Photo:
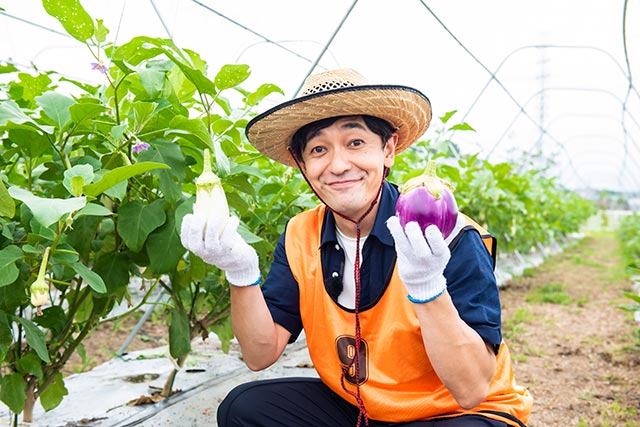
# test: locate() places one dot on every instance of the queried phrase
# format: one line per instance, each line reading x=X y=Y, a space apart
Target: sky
x=561 y=85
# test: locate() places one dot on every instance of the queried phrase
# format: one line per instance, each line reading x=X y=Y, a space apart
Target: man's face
x=344 y=163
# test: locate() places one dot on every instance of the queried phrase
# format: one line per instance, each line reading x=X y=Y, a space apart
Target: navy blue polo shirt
x=469 y=273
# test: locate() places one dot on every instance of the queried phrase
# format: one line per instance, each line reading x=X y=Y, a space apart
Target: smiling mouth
x=343 y=183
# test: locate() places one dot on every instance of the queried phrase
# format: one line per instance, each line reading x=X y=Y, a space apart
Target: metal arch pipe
x=547 y=46
x=544 y=131
x=597 y=157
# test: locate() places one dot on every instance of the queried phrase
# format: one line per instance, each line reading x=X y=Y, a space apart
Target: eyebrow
x=351 y=124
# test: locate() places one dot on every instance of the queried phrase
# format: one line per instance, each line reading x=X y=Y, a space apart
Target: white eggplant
x=211 y=201
x=39 y=289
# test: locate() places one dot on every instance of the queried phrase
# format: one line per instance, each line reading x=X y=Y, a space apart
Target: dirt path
x=573 y=348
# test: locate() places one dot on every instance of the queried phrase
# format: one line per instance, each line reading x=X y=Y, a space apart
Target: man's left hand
x=422 y=259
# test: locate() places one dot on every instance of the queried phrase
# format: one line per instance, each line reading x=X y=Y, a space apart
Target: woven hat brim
x=403 y=107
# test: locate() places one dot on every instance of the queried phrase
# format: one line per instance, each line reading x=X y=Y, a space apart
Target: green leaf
x=632 y=296
x=135 y=51
x=13 y=295
x=8 y=68
x=118 y=191
x=447 y=116
x=170 y=180
x=141 y=113
x=85 y=111
x=120 y=174
x=136 y=221
x=11 y=112
x=30 y=363
x=81 y=236
x=35 y=338
x=193 y=130
x=231 y=75
x=52 y=396
x=93 y=279
x=153 y=80
x=7 y=205
x=6 y=335
x=93 y=209
x=56 y=106
x=462 y=126
x=179 y=342
x=196 y=76
x=8 y=270
x=224 y=331
x=12 y=392
x=47 y=211
x=75 y=20
x=30 y=140
x=29 y=87
x=222 y=161
x=262 y=92
x=113 y=267
x=241 y=183
x=164 y=248
x=75 y=178
x=53 y=318
x=101 y=31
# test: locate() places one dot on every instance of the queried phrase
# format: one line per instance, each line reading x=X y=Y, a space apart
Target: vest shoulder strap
x=489 y=241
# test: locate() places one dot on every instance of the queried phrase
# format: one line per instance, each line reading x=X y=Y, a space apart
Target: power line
x=236 y=23
x=548 y=46
x=326 y=46
x=625 y=145
x=509 y=94
x=26 y=21
x=164 y=25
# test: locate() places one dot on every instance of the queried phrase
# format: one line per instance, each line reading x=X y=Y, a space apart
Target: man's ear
x=390 y=150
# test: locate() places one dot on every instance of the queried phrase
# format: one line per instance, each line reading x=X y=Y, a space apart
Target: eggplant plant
x=94 y=182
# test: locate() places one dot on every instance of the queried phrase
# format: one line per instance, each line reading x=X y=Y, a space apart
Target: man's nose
x=339 y=162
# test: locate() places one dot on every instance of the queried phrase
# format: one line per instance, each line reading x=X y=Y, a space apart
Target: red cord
x=362 y=414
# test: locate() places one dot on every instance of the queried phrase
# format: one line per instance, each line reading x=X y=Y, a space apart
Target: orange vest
x=489 y=241
x=398 y=383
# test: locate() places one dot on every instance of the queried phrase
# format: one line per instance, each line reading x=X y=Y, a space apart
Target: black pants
x=307 y=402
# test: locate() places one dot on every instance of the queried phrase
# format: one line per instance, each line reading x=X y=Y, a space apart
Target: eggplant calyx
x=208 y=180
x=429 y=180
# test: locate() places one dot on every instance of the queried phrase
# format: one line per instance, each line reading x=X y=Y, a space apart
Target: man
x=403 y=327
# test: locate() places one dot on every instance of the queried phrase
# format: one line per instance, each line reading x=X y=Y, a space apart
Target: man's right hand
x=225 y=250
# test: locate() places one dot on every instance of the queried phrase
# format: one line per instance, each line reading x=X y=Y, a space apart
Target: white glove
x=421 y=259
x=226 y=250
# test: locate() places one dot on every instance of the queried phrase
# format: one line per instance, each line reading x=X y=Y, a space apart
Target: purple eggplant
x=428 y=200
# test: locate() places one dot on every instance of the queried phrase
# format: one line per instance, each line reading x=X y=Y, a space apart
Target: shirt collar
x=380 y=231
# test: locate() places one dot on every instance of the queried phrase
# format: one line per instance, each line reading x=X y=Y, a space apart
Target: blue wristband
x=423 y=301
x=257 y=282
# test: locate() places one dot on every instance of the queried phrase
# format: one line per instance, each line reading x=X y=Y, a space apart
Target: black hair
x=379 y=126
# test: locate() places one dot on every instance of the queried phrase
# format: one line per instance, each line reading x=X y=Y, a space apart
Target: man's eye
x=357 y=142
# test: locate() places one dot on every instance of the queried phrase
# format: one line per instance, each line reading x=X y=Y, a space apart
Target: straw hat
x=342 y=92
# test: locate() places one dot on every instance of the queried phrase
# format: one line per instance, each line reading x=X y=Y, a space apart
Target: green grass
x=580 y=259
x=512 y=327
x=553 y=293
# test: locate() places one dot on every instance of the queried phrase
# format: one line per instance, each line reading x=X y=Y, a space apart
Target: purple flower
x=100 y=67
x=140 y=146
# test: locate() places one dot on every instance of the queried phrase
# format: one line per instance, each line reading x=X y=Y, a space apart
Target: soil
x=578 y=353
x=110 y=337
x=572 y=347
